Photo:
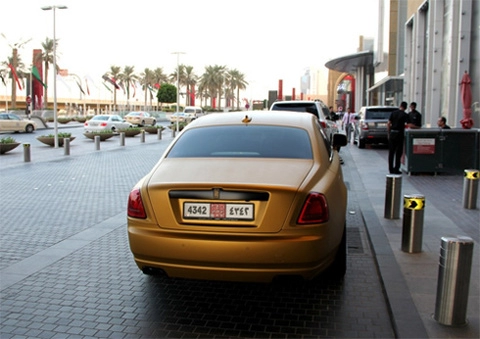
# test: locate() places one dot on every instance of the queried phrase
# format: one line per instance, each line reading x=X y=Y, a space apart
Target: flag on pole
x=59 y=77
x=15 y=76
x=80 y=87
x=106 y=86
x=111 y=81
x=36 y=75
x=86 y=85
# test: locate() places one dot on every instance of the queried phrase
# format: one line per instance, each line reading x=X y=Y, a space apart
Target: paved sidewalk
x=444 y=215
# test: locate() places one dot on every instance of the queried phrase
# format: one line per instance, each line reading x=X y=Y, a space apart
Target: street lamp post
x=178 y=84
x=55 y=120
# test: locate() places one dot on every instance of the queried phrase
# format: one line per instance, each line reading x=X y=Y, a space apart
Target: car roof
x=371 y=107
x=281 y=118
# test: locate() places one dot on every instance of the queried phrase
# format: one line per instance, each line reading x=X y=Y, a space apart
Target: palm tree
x=181 y=75
x=159 y=78
x=212 y=82
x=238 y=82
x=128 y=77
x=190 y=81
x=114 y=74
x=147 y=80
x=47 y=57
x=17 y=64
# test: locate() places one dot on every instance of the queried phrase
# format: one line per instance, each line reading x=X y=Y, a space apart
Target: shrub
x=7 y=140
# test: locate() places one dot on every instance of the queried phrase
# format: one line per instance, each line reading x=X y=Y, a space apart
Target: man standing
x=347 y=121
x=396 y=129
x=414 y=117
x=333 y=114
x=442 y=123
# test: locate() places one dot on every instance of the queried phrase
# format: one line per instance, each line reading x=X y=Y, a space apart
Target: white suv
x=316 y=107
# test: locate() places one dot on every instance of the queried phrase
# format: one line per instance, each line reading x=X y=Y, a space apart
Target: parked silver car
x=371 y=125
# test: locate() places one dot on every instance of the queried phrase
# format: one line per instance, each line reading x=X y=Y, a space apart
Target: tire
x=339 y=266
x=154 y=122
x=361 y=143
x=141 y=124
x=29 y=128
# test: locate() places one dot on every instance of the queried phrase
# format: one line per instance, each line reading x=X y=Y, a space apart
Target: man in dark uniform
x=396 y=130
x=414 y=117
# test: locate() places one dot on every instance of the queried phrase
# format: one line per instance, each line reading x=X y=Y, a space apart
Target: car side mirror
x=339 y=140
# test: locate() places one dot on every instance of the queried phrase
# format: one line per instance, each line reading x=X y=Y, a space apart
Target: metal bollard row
x=413 y=215
x=26 y=153
x=454 y=272
x=122 y=138
x=470 y=188
x=393 y=193
x=97 y=142
x=66 y=146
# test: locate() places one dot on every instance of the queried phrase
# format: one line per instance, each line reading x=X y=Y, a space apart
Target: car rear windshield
x=243 y=141
x=379 y=113
x=296 y=107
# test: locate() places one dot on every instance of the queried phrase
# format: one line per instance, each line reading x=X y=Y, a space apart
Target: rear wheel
x=361 y=143
x=339 y=265
x=29 y=128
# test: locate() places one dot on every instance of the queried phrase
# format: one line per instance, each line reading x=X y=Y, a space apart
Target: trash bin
x=455 y=266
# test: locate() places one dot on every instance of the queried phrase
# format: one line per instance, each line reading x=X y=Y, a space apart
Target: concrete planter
x=4 y=148
x=103 y=136
x=50 y=141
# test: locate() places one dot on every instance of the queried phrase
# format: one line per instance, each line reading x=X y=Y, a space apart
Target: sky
x=266 y=40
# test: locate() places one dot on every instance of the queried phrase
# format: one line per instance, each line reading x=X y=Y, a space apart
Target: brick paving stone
x=97 y=290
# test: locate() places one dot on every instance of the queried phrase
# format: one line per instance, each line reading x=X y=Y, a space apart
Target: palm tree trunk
x=45 y=101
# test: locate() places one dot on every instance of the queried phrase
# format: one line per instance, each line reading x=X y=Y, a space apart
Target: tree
x=17 y=65
x=128 y=78
x=147 y=83
x=113 y=75
x=167 y=94
x=47 y=57
x=190 y=81
x=211 y=82
x=237 y=81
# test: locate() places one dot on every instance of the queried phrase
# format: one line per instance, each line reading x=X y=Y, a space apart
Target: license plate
x=218 y=211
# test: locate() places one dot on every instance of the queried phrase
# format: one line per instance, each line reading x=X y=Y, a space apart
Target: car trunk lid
x=221 y=194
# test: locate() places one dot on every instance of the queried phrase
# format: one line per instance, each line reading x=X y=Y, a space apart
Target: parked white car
x=106 y=122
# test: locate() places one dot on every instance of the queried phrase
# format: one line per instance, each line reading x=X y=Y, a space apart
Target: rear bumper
x=374 y=138
x=258 y=258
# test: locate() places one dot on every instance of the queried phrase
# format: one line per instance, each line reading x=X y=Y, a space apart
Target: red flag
x=15 y=76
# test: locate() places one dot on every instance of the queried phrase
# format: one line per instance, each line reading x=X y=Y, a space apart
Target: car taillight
x=314 y=210
x=85 y=124
x=103 y=124
x=364 y=126
x=135 y=205
x=324 y=124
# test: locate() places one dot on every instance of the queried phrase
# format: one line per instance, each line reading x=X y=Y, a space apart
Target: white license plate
x=218 y=211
